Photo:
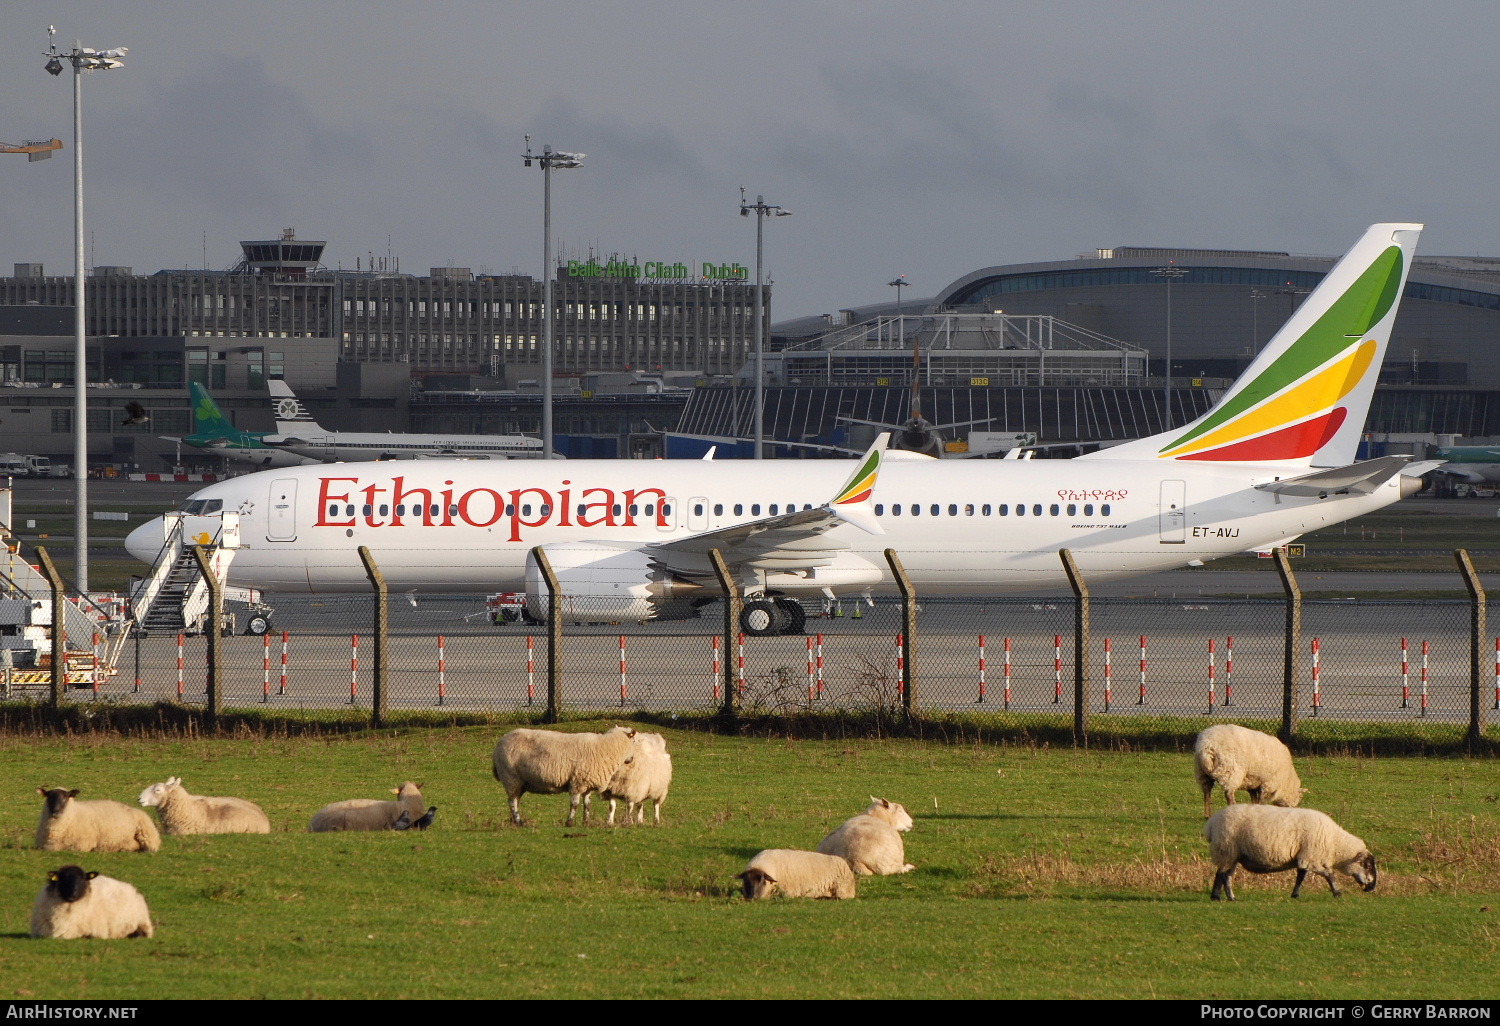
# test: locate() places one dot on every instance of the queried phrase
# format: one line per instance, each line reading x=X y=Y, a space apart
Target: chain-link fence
x=1171 y=664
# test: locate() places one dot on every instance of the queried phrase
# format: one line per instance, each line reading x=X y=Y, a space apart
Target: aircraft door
x=670 y=517
x=281 y=513
x=697 y=514
x=1172 y=524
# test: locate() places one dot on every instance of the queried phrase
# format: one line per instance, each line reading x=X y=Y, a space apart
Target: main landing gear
x=762 y=617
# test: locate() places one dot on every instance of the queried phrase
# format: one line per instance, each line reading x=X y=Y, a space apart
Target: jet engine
x=603 y=582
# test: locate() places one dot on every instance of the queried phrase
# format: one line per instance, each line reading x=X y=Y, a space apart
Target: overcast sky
x=922 y=139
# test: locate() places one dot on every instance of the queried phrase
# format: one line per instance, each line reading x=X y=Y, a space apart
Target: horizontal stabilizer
x=1355 y=479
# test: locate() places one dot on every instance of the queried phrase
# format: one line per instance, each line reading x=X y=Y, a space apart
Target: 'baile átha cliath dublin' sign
x=656 y=270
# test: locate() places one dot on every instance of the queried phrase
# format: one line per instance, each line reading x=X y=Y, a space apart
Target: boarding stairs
x=174 y=597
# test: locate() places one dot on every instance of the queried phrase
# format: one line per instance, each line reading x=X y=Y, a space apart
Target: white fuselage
x=453 y=526
x=355 y=447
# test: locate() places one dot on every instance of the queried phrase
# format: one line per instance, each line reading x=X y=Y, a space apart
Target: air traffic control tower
x=286 y=257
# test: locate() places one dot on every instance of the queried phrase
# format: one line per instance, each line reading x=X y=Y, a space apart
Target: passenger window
x=615 y=509
x=697 y=509
x=453 y=511
x=650 y=509
x=510 y=509
x=333 y=510
x=880 y=509
x=1036 y=509
x=969 y=510
x=953 y=510
x=1054 y=510
x=718 y=509
x=985 y=510
x=368 y=510
x=896 y=509
x=634 y=509
x=666 y=510
x=936 y=510
x=1072 y=510
x=755 y=510
x=1088 y=509
x=1020 y=509
x=526 y=510
x=546 y=511
x=1104 y=510
x=348 y=511
x=773 y=509
x=581 y=508
x=384 y=509
x=739 y=509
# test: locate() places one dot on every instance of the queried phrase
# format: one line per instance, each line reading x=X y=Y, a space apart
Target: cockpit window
x=202 y=507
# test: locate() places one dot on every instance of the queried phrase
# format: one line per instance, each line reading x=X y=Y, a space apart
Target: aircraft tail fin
x=291 y=416
x=1302 y=402
x=208 y=419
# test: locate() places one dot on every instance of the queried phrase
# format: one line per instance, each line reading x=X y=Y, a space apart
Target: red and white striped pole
x=1228 y=670
x=179 y=667
x=442 y=670
x=622 y=671
x=821 y=665
x=1497 y=673
x=265 y=668
x=353 y=667
x=1211 y=674
x=739 y=687
x=900 y=661
x=285 y=637
x=530 y=669
x=1424 y=680
x=1007 y=673
x=812 y=682
x=1056 y=668
x=1109 y=674
x=713 y=679
x=1142 y=699
x=1406 y=675
x=1317 y=701
x=981 y=670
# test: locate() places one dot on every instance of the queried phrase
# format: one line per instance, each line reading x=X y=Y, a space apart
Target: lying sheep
x=1240 y=759
x=548 y=762
x=370 y=813
x=1265 y=839
x=71 y=825
x=76 y=903
x=871 y=842
x=797 y=874
x=183 y=813
x=645 y=777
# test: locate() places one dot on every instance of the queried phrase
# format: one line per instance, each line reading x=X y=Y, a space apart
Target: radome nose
x=145 y=541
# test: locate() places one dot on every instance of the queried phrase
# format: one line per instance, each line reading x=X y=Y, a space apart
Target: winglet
x=854 y=503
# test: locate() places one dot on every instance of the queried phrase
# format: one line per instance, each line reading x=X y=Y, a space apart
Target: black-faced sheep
x=370 y=813
x=184 y=813
x=871 y=842
x=71 y=825
x=76 y=903
x=1266 y=839
x=549 y=762
x=1240 y=759
x=797 y=874
x=647 y=777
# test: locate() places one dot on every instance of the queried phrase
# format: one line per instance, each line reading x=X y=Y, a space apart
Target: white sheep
x=71 y=825
x=648 y=776
x=77 y=903
x=370 y=813
x=797 y=874
x=1266 y=839
x=871 y=842
x=184 y=813
x=549 y=762
x=1240 y=759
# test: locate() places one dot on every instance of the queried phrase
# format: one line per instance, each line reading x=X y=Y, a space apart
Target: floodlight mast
x=83 y=58
x=549 y=159
x=762 y=211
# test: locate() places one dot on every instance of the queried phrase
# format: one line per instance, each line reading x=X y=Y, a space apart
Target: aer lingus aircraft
x=629 y=540
x=213 y=432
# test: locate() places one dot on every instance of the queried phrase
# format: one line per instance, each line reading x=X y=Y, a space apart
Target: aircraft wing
x=1355 y=479
x=791 y=541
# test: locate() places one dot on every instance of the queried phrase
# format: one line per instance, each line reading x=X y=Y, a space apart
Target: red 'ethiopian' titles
x=395 y=505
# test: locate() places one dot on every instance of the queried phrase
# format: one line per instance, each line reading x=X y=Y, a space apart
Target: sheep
x=1240 y=759
x=797 y=874
x=871 y=842
x=70 y=825
x=1265 y=839
x=647 y=776
x=369 y=813
x=184 y=813
x=78 y=903
x=548 y=762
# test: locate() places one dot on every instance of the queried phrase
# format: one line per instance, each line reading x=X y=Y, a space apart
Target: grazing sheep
x=797 y=874
x=369 y=813
x=71 y=825
x=183 y=813
x=647 y=776
x=548 y=762
x=1240 y=759
x=871 y=842
x=76 y=903
x=1265 y=839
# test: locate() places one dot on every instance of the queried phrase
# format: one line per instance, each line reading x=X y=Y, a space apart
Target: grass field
x=1042 y=873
